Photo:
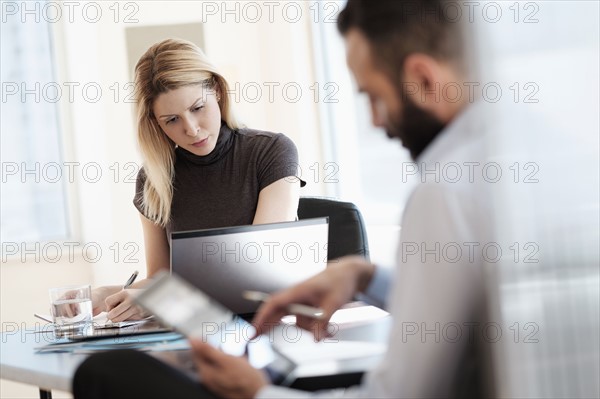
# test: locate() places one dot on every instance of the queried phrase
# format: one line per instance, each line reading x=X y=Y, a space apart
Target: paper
x=100 y=321
x=306 y=352
x=350 y=317
x=159 y=341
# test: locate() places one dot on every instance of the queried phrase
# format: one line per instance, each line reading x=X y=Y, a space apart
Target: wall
x=91 y=53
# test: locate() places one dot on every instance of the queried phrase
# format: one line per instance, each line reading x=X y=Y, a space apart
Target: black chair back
x=347 y=231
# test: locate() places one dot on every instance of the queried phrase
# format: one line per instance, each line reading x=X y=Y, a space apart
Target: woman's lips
x=200 y=143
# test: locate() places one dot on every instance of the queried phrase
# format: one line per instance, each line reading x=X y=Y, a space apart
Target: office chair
x=347 y=231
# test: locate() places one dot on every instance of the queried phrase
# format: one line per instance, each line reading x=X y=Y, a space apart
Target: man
x=401 y=54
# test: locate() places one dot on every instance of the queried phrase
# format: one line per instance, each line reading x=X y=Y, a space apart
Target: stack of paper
x=149 y=342
x=101 y=321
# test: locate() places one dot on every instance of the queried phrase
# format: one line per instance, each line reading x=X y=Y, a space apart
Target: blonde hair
x=169 y=65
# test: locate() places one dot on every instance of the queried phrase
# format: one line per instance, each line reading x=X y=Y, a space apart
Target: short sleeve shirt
x=221 y=189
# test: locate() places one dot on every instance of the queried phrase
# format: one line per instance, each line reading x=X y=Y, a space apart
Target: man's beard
x=416 y=128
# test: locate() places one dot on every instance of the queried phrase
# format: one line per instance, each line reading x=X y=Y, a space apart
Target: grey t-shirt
x=221 y=189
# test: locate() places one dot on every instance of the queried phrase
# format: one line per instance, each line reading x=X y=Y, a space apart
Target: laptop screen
x=225 y=262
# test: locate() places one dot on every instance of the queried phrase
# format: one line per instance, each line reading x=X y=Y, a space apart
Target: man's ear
x=423 y=80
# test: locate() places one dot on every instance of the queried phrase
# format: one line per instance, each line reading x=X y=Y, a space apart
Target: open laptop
x=225 y=262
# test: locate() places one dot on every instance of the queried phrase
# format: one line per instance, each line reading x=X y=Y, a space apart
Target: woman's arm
x=156 y=247
x=278 y=202
x=118 y=302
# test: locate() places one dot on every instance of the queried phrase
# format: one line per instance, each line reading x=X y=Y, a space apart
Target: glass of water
x=71 y=306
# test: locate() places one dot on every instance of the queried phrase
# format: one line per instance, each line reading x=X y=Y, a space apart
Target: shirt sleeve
x=379 y=288
x=278 y=160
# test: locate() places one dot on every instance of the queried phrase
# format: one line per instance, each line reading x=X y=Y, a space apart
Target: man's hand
x=328 y=290
x=227 y=376
x=121 y=307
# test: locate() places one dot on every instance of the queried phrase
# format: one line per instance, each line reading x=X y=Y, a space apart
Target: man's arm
x=377 y=291
x=432 y=304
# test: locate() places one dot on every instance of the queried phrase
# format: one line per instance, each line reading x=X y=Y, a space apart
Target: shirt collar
x=461 y=129
x=224 y=144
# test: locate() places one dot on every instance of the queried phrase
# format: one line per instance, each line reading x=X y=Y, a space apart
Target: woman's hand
x=121 y=306
x=99 y=296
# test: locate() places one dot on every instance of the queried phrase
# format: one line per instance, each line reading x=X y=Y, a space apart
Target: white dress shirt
x=435 y=292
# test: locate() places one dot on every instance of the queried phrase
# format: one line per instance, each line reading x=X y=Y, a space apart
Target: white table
x=19 y=361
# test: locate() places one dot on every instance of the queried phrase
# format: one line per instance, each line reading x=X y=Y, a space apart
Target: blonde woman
x=202 y=169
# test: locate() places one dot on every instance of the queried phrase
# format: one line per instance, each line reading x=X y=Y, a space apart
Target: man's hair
x=397 y=28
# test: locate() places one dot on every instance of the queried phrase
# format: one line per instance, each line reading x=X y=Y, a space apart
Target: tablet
x=180 y=305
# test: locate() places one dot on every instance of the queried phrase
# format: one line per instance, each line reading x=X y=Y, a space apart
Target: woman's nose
x=190 y=128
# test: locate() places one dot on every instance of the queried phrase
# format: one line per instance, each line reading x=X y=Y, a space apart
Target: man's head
x=407 y=56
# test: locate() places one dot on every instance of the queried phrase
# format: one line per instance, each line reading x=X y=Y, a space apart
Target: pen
x=44 y=317
x=131 y=279
x=293 y=308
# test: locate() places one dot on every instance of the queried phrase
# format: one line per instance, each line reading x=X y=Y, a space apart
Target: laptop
x=225 y=262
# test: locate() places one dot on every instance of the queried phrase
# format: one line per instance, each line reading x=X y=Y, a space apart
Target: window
x=369 y=163
x=33 y=197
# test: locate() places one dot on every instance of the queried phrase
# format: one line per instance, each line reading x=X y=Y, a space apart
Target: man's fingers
x=206 y=369
x=271 y=312
x=208 y=374
x=319 y=328
x=206 y=352
x=267 y=317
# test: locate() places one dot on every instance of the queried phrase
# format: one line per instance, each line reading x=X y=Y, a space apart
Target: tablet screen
x=188 y=310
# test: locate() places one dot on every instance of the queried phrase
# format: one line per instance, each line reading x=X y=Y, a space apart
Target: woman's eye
x=170 y=120
x=198 y=108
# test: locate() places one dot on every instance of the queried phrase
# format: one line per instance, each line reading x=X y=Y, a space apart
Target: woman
x=201 y=168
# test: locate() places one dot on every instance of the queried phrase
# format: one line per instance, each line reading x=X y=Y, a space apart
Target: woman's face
x=190 y=116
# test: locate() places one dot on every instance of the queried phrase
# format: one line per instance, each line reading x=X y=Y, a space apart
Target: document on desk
x=300 y=347
x=350 y=317
x=100 y=321
x=330 y=350
x=150 y=342
x=356 y=316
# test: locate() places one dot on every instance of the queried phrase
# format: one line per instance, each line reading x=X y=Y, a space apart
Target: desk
x=19 y=362
x=329 y=375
